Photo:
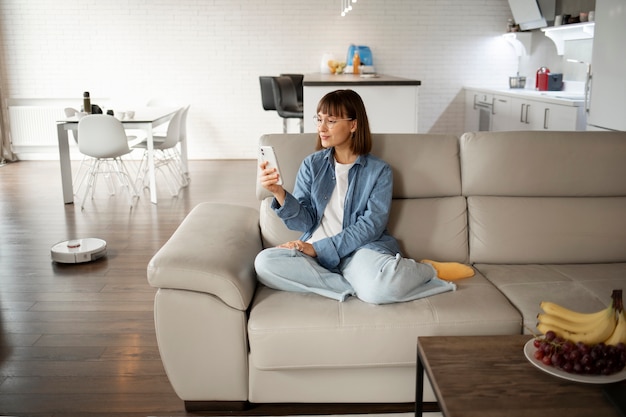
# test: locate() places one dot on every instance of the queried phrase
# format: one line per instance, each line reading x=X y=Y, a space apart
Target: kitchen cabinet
x=538 y=115
x=557 y=117
x=503 y=116
x=524 y=110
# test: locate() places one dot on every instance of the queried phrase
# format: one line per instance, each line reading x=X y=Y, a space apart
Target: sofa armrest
x=212 y=251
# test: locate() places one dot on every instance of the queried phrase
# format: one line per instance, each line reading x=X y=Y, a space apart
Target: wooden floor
x=78 y=339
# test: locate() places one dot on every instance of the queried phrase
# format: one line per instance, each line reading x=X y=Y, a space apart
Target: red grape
x=579 y=358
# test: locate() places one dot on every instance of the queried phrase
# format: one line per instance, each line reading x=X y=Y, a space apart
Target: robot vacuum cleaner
x=78 y=250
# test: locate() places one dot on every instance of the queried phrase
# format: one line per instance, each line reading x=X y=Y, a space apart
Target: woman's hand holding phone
x=269 y=177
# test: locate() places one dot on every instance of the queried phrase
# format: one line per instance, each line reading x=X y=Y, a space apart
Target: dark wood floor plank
x=128 y=353
x=80 y=385
x=8 y=341
x=71 y=316
x=114 y=404
x=109 y=335
x=80 y=306
x=84 y=369
x=75 y=353
x=26 y=300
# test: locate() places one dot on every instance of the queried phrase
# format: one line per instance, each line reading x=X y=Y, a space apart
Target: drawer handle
x=526 y=115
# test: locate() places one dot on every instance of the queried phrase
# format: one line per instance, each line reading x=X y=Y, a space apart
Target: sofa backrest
x=545 y=197
x=428 y=214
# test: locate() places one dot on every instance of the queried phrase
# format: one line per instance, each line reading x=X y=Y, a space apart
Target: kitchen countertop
x=567 y=98
x=315 y=80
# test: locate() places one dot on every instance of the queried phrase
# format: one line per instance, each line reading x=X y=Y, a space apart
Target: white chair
x=166 y=155
x=161 y=131
x=183 y=142
x=103 y=138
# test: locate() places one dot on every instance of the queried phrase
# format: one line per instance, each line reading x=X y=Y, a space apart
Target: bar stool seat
x=286 y=101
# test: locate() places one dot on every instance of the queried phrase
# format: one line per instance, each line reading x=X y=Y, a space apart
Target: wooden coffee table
x=490 y=376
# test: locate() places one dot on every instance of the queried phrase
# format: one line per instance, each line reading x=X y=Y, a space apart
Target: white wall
x=210 y=53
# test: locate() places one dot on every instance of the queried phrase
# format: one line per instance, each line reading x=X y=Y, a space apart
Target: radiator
x=34 y=125
x=34 y=131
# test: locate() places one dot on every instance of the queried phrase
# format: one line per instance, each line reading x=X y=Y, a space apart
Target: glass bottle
x=86 y=102
x=356 y=62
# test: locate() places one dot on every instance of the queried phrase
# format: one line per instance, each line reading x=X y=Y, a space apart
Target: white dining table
x=145 y=119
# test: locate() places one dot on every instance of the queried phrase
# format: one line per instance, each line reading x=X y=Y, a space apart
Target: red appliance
x=541 y=81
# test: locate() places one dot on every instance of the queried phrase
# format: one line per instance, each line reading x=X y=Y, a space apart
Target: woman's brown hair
x=347 y=104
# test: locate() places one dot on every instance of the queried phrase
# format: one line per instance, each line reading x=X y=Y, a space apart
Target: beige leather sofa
x=540 y=215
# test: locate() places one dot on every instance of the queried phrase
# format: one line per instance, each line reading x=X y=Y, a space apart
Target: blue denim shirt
x=366 y=211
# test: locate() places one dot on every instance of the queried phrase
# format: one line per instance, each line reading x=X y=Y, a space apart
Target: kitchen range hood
x=532 y=14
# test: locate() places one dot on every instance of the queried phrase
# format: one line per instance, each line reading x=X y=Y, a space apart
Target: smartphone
x=266 y=153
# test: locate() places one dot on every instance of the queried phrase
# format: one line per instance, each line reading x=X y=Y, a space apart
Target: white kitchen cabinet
x=540 y=115
x=503 y=116
x=557 y=117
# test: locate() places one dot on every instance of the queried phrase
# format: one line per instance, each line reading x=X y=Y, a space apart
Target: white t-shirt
x=332 y=220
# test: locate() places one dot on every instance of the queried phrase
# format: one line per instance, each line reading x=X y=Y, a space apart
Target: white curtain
x=6 y=154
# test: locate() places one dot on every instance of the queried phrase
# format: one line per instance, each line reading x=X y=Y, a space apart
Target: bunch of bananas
x=605 y=326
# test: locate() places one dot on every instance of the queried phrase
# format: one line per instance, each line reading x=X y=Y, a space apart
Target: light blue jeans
x=374 y=277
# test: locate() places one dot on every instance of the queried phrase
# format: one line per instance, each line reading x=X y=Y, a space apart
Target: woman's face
x=335 y=131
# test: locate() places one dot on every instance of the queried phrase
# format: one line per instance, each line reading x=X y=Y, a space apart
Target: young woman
x=341 y=203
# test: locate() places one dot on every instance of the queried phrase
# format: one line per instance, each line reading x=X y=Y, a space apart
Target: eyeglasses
x=330 y=123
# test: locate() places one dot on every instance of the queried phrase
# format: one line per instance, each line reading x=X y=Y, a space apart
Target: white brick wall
x=210 y=53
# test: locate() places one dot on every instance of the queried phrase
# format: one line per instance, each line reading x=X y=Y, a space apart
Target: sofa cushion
x=547 y=230
x=585 y=288
x=424 y=165
x=431 y=228
x=543 y=164
x=293 y=330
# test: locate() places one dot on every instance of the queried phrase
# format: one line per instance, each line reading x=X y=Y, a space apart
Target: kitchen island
x=391 y=102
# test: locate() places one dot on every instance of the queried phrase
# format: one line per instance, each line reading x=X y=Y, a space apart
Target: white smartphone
x=266 y=153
